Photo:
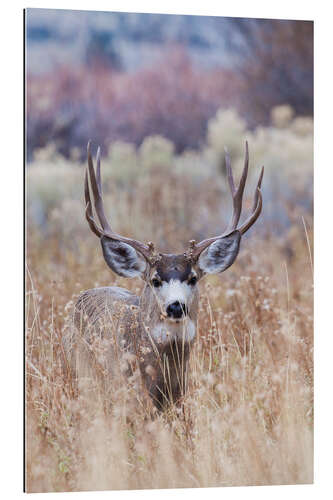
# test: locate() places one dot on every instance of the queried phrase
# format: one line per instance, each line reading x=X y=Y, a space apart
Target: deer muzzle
x=176 y=310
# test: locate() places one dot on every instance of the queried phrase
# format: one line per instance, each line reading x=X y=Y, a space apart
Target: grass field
x=247 y=418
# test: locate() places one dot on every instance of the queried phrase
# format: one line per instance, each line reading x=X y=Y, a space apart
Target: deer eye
x=192 y=281
x=156 y=283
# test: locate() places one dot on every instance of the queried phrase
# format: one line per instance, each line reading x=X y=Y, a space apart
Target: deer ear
x=122 y=258
x=221 y=254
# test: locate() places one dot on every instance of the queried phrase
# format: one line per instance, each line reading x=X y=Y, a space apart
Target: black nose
x=176 y=310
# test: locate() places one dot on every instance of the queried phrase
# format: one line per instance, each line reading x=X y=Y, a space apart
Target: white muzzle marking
x=175 y=291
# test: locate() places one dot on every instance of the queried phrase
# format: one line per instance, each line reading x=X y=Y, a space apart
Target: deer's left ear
x=221 y=254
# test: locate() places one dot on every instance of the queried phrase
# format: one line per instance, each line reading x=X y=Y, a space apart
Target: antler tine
x=237 y=194
x=195 y=249
x=147 y=251
x=255 y=201
x=98 y=202
x=257 y=206
x=93 y=226
x=98 y=170
x=89 y=214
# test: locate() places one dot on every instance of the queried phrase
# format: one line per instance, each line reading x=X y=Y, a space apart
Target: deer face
x=172 y=279
x=174 y=283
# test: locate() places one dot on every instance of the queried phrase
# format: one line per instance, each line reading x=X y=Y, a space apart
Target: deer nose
x=176 y=310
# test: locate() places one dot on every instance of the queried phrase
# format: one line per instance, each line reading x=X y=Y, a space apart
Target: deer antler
x=148 y=251
x=195 y=249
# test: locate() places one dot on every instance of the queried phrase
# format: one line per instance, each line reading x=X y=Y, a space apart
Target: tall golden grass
x=248 y=415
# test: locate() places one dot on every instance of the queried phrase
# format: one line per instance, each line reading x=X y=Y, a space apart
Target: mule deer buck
x=158 y=328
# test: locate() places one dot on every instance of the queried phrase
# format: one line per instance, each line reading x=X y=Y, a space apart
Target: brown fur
x=111 y=337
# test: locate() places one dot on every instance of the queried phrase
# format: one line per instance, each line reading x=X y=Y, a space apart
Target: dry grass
x=247 y=418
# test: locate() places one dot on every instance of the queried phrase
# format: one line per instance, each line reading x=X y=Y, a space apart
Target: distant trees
x=173 y=97
x=275 y=65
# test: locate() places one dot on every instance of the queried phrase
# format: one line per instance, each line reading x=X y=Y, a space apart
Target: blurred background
x=167 y=92
x=117 y=76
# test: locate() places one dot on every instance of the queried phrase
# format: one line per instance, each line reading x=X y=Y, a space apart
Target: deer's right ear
x=123 y=259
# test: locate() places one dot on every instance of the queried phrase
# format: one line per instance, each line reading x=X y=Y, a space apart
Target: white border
x=11 y=241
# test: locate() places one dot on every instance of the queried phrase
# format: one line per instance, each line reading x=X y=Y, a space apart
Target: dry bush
x=248 y=415
x=171 y=97
x=286 y=47
x=286 y=150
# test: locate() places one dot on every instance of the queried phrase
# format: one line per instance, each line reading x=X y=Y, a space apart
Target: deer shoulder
x=105 y=322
